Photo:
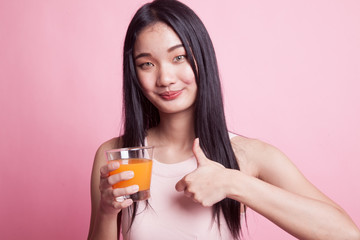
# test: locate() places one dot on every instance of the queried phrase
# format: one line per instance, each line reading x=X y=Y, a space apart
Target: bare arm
x=284 y=196
x=104 y=208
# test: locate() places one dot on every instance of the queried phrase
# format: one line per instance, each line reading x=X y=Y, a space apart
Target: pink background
x=291 y=77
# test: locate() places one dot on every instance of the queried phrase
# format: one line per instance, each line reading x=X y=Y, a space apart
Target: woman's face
x=163 y=70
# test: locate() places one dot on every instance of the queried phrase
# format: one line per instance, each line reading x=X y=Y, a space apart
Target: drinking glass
x=138 y=160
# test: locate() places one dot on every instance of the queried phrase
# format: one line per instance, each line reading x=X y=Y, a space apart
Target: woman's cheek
x=145 y=82
x=188 y=76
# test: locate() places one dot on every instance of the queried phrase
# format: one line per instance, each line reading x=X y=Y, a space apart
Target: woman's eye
x=146 y=65
x=179 y=58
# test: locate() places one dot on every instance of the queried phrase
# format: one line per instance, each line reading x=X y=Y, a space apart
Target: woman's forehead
x=156 y=36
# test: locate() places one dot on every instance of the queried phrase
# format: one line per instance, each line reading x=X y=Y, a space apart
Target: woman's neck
x=177 y=128
x=174 y=135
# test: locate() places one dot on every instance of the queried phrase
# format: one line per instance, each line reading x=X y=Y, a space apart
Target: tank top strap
x=231 y=135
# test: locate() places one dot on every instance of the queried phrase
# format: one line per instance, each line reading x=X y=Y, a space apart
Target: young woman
x=203 y=176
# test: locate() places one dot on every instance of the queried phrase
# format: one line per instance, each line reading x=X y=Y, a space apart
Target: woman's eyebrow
x=142 y=55
x=175 y=47
x=149 y=55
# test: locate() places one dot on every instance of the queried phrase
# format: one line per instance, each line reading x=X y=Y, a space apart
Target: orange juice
x=142 y=172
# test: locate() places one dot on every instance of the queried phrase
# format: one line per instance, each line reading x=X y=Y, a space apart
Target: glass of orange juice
x=138 y=160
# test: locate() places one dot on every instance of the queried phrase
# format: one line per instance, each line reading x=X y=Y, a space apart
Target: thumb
x=198 y=153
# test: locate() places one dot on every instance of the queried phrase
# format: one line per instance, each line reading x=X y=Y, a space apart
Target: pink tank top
x=171 y=215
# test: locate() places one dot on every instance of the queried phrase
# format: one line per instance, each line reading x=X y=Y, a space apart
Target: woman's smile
x=170 y=95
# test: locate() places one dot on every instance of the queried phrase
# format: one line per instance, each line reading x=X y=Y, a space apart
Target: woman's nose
x=166 y=76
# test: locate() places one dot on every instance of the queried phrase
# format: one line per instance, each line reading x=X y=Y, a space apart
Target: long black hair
x=210 y=125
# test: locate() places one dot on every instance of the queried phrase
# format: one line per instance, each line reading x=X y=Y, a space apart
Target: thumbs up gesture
x=207 y=184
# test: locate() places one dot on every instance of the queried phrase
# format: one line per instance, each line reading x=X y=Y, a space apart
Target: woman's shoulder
x=253 y=154
x=246 y=144
x=252 y=146
x=112 y=143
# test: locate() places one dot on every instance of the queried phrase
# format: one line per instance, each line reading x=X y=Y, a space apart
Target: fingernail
x=129 y=174
x=120 y=199
x=115 y=165
x=135 y=188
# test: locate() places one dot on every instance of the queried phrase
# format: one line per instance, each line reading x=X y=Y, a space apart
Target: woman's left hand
x=207 y=183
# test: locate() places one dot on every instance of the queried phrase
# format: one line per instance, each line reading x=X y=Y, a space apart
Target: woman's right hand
x=108 y=203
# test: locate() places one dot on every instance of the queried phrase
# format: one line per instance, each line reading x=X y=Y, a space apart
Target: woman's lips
x=170 y=95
